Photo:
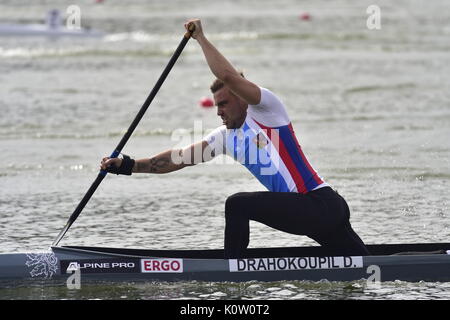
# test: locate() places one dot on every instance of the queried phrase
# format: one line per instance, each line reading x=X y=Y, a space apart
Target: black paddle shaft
x=127 y=135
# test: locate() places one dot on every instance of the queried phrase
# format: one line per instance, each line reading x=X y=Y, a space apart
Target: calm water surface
x=371 y=109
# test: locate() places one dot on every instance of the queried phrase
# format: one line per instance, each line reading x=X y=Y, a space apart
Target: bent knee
x=236 y=202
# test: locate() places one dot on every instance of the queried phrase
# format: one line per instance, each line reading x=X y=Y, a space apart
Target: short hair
x=219 y=84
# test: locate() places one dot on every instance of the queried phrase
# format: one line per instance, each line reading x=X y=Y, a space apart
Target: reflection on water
x=195 y=290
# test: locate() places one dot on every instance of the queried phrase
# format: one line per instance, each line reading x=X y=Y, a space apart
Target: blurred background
x=371 y=109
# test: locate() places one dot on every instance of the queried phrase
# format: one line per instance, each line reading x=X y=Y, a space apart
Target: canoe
x=388 y=262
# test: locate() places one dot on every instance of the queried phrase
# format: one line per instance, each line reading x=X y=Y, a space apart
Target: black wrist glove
x=125 y=168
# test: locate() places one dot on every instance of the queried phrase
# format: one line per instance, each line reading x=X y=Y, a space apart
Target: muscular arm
x=224 y=71
x=167 y=161
x=174 y=159
x=161 y=163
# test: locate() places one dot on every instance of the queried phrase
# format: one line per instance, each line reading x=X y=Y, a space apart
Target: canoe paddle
x=118 y=149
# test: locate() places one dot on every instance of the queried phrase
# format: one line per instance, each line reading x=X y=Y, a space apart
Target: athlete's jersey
x=267 y=146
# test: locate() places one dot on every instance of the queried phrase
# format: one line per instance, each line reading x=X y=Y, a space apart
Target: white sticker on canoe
x=162 y=265
x=305 y=263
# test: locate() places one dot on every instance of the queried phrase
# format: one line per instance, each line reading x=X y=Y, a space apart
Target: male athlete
x=257 y=132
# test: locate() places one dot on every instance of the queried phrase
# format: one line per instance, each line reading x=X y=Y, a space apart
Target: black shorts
x=322 y=215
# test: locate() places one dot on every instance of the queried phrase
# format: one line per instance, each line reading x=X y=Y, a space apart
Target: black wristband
x=126 y=167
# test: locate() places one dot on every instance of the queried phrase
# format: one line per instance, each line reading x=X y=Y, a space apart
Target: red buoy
x=304 y=16
x=206 y=102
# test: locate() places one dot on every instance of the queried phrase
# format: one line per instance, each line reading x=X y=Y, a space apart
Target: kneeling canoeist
x=257 y=132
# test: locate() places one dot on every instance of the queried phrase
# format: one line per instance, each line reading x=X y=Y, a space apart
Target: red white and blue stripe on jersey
x=280 y=164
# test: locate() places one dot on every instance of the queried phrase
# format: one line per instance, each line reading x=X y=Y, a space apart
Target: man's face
x=230 y=108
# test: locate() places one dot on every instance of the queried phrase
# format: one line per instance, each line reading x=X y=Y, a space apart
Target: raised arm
x=223 y=69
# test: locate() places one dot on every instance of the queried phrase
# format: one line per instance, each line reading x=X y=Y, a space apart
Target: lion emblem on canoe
x=42 y=264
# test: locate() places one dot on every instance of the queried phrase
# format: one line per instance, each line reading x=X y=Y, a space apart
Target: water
x=292 y=290
x=371 y=109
